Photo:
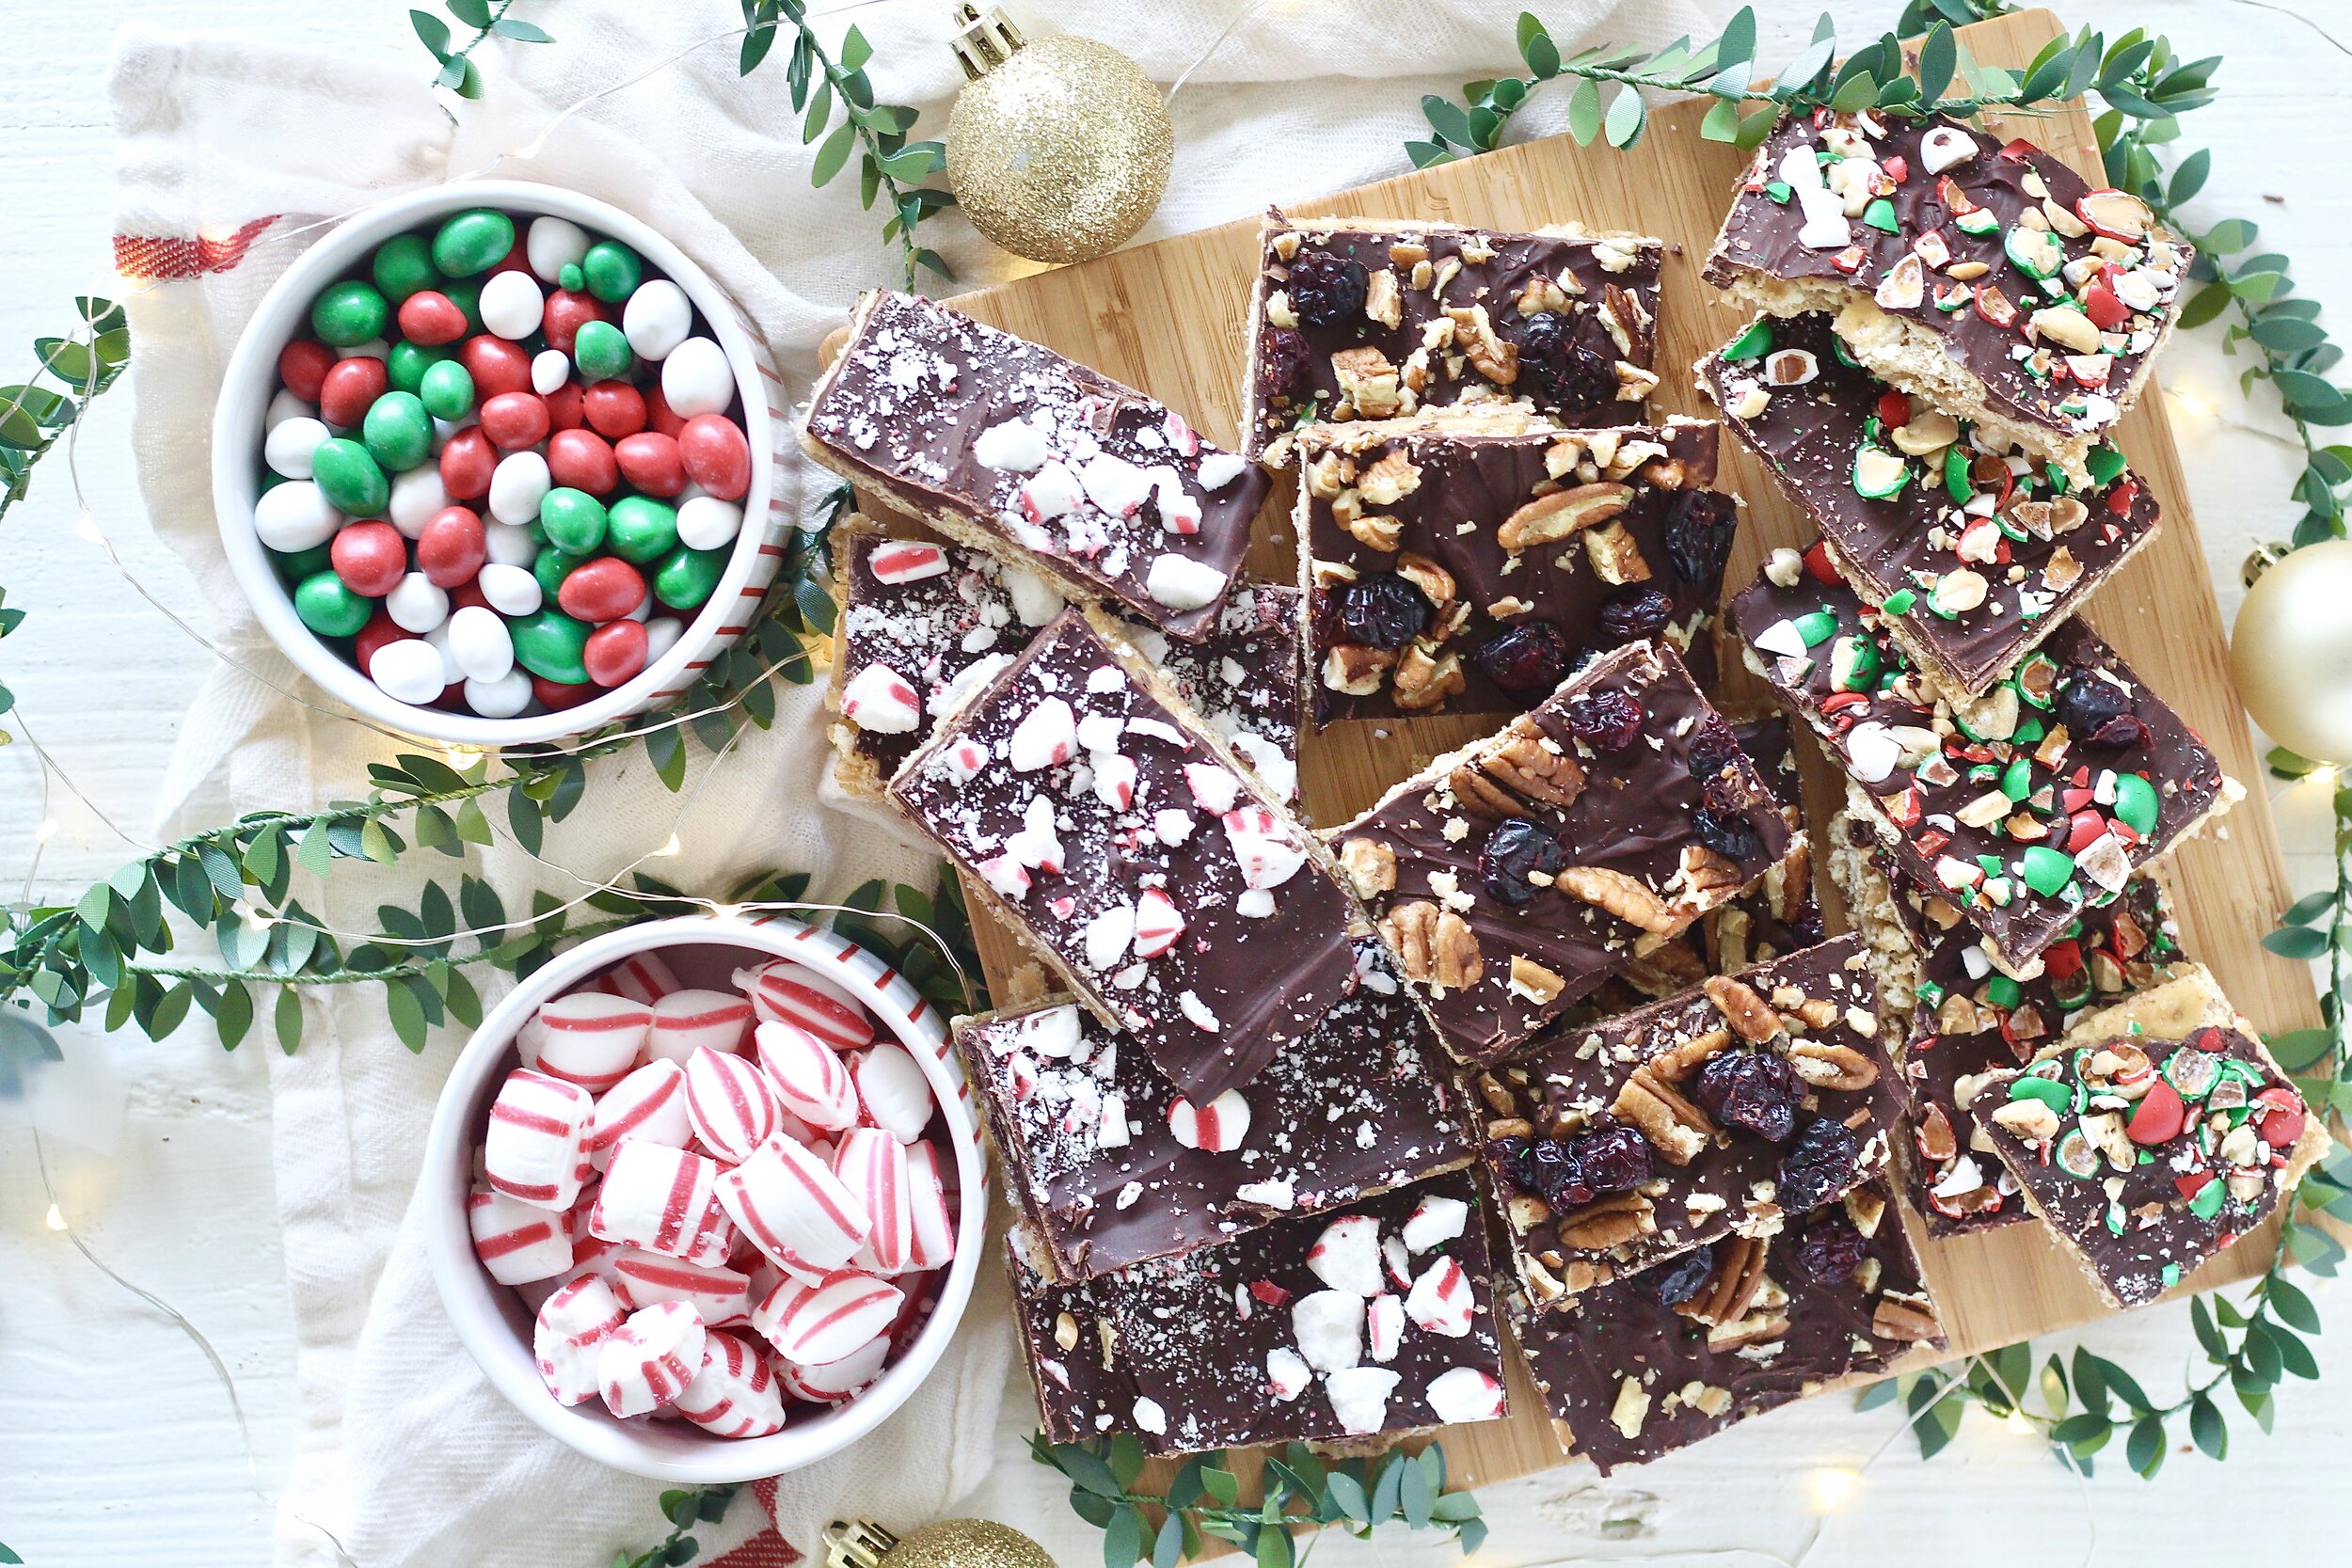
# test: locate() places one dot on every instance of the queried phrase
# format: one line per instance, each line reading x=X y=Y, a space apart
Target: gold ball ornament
x=2290 y=651
x=948 y=1544
x=1057 y=149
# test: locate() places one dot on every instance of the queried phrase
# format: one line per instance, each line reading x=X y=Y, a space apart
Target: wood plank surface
x=1169 y=317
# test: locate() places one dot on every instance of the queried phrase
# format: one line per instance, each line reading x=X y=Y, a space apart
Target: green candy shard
x=1878 y=474
x=1880 y=214
x=2002 y=991
x=1956 y=483
x=1899 y=602
x=2017 y=778
x=2209 y=1198
x=1816 y=626
x=2136 y=803
x=2046 y=870
x=2048 y=1090
x=1755 y=340
x=1854 y=663
x=1982 y=221
x=2105 y=464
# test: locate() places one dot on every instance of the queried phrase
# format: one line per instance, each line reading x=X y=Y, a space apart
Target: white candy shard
x=1944 y=145
x=1329 y=1328
x=1434 y=1220
x=1181 y=583
x=1219 y=1127
x=1384 y=1326
x=879 y=699
x=1014 y=447
x=1287 y=1373
x=1440 y=1301
x=1269 y=852
x=1359 y=1397
x=1346 y=1255
x=1047 y=734
x=1158 y=923
x=1465 y=1394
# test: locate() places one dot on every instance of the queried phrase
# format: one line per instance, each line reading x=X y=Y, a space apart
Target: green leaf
x=2189 y=177
x=2297 y=941
x=1349 y=1493
x=1387 y=1489
x=2205 y=1425
x=2306 y=912
x=2205 y=305
x=234 y=1015
x=2306 y=391
x=432 y=31
x=2299 y=1049
x=522 y=32
x=829 y=158
x=1275 y=1549
x=755 y=46
x=1168 y=1547
x=1626 y=119
x=1937 y=58
x=1448 y=119
x=1085 y=1466
x=1122 y=1542
x=1415 y=1496
x=855 y=51
x=221 y=871
x=2144 y=1449
x=287 y=1018
x=1721 y=122
x=1126 y=1458
x=1584 y=112
x=406 y=1014
x=2288 y=1302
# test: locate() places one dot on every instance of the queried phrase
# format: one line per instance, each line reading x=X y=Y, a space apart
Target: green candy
x=1753 y=340
x=2136 y=803
x=574 y=519
x=403 y=266
x=348 y=477
x=1854 y=663
x=2036 y=252
x=446 y=390
x=601 y=351
x=1816 y=626
x=643 y=530
x=570 y=278
x=472 y=240
x=547 y=643
x=2056 y=1095
x=1957 y=482
x=2048 y=870
x=551 y=566
x=612 y=271
x=2002 y=991
x=2017 y=778
x=2207 y=1203
x=467 y=298
x=2105 y=464
x=689 y=577
x=397 y=431
x=1899 y=602
x=408 y=362
x=1879 y=214
x=328 y=607
x=349 y=314
x=296 y=565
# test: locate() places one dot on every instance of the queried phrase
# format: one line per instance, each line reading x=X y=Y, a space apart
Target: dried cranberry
x=2087 y=702
x=1517 y=847
x=1530 y=657
x=1549 y=1168
x=1700 y=529
x=1819 y=1162
x=1679 y=1279
x=2126 y=731
x=1383 y=609
x=1635 y=613
x=1326 y=290
x=1282 y=355
x=1565 y=363
x=1832 y=1249
x=1615 y=1157
x=1808 y=928
x=1507 y=1155
x=1610 y=719
x=1713 y=747
x=1754 y=1089
x=1732 y=837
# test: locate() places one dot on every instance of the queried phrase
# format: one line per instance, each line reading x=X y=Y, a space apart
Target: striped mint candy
x=587 y=1038
x=571 y=1327
x=516 y=1241
x=685 y=1021
x=714 y=1291
x=649 y=1104
x=640 y=977
x=809 y=1075
x=873 y=1165
x=663 y=1200
x=893 y=1090
x=735 y=1395
x=731 y=1104
x=825 y=1322
x=782 y=989
x=930 y=1229
x=793 y=1208
x=648 y=1362
x=536 y=1149
x=831 y=1382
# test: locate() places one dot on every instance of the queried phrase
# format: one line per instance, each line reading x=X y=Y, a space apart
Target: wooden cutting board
x=1169 y=317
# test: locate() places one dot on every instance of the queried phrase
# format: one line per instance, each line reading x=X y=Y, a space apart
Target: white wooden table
x=121 y=1448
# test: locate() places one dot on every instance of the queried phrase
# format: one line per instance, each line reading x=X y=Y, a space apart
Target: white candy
x=902 y=560
x=661 y=635
x=1183 y=583
x=735 y=1395
x=502 y=698
x=536 y=1149
x=417 y=497
x=1464 y=1394
x=416 y=605
x=295 y=517
x=516 y=1241
x=1157 y=924
x=730 y=1101
x=830 y=1382
x=931 y=1227
x=509 y=587
x=287 y=446
x=586 y=1037
x=1329 y=1328
x=715 y=1292
x=550 y=369
x=1441 y=1300
x=643 y=610
x=552 y=244
x=571 y=1328
x=894 y=1091
x=706 y=522
x=511 y=305
x=685 y=1021
x=879 y=699
x=1384 y=1326
x=1944 y=145
x=648 y=1362
x=665 y=1201
x=791 y=993
x=791 y=1206
x=696 y=379
x=657 y=319
x=408 y=671
x=1346 y=1255
x=1434 y=1220
x=517 y=486
x=1047 y=734
x=284 y=405
x=452 y=674
x=483 y=648
x=828 y=1321
x=873 y=1165
x=1269 y=852
x=809 y=1075
x=649 y=1104
x=1016 y=446
x=1359 y=1397
x=1217 y=1128
x=1287 y=1373
x=1034 y=599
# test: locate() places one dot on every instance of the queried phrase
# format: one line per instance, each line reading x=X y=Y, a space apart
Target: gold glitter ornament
x=2290 y=651
x=949 y=1543
x=1057 y=149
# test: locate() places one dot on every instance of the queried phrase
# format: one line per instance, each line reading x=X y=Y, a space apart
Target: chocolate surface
x=1990 y=549
x=1136 y=860
x=1084 y=1390
x=1359 y=1104
x=1889 y=199
x=1995 y=801
x=1628 y=1374
x=1430 y=315
x=1615 y=1148
x=1016 y=450
x=1514 y=876
x=1417 y=604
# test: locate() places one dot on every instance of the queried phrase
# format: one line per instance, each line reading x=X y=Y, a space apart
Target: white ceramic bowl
x=252 y=379
x=492 y=1320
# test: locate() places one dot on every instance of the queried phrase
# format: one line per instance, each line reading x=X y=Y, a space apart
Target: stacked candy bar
x=719 y=1203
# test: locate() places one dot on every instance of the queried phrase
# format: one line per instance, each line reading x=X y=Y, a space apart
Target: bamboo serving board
x=1169 y=317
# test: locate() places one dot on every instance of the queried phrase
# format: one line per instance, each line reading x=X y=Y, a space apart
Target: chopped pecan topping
x=1390 y=479
x=1608 y=1222
x=1474 y=791
x=1832 y=1067
x=1908 y=1318
x=1678 y=1129
x=1535 y=771
x=1489 y=355
x=1434 y=946
x=1626 y=897
x=1377 y=530
x=1533 y=981
x=1540 y=294
x=1750 y=1016
x=1549 y=518
x=1367 y=381
x=1616 y=556
x=1371 y=866
x=1382 y=302
x=1738 y=1279
x=1425 y=677
x=1435 y=583
x=1757 y=1328
x=1356 y=668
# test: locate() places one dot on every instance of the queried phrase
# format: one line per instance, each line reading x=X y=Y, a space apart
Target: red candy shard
x=2159 y=1115
x=2282 y=1123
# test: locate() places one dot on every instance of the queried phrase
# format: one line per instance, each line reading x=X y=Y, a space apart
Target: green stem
x=358 y=976
x=889 y=186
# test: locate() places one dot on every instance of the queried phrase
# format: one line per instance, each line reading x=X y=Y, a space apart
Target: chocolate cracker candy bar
x=1112 y=1168
x=1450 y=570
x=922 y=624
x=1009 y=448
x=1084 y=1390
x=2056 y=785
x=1512 y=877
x=1779 y=914
x=1651 y=1364
x=1175 y=897
x=1369 y=318
x=2153 y=1134
x=1989 y=279
x=1726 y=1110
x=1973 y=551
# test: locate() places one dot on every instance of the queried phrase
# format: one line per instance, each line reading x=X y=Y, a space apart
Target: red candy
x=2083 y=831
x=651 y=463
x=302 y=365
x=614 y=409
x=2281 y=1123
x=564 y=408
x=1893 y=408
x=514 y=420
x=467 y=461
x=566 y=313
x=2107 y=312
x=582 y=460
x=371 y=558
x=381 y=629
x=467 y=595
x=2159 y=1116
x=431 y=318
x=496 y=365
x=615 y=652
x=658 y=413
x=555 y=695
x=350 y=388
x=716 y=456
x=605 y=589
x=453 y=546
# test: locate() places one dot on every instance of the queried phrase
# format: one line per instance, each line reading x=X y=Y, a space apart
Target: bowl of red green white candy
x=493 y=462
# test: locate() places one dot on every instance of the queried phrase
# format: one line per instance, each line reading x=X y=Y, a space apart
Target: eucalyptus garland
x=489 y=20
